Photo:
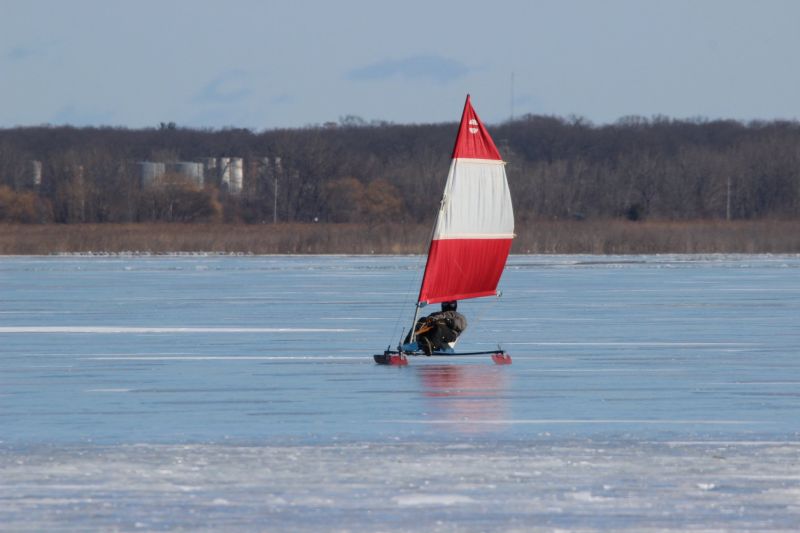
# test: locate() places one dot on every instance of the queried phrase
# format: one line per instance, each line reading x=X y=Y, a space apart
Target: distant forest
x=357 y=172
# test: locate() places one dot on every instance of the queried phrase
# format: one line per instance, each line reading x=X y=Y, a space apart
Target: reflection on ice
x=465 y=396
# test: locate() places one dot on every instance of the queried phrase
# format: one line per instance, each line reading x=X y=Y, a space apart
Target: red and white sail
x=475 y=226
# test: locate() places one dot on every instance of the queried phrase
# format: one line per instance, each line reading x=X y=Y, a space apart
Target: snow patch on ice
x=408 y=500
x=586 y=496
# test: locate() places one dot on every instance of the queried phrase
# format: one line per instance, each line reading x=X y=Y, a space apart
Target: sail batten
x=478 y=236
x=475 y=226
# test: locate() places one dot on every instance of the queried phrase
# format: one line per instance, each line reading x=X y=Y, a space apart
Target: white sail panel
x=476 y=202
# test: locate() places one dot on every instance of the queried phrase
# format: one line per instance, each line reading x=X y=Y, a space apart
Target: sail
x=475 y=226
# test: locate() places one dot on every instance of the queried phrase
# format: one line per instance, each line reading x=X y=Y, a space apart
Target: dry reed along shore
x=534 y=237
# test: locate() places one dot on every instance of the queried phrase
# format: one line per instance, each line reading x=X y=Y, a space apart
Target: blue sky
x=269 y=64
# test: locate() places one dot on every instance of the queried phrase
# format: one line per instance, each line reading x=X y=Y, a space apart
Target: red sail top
x=473 y=142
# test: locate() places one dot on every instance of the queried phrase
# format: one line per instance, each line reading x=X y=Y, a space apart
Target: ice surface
x=538 y=485
x=239 y=393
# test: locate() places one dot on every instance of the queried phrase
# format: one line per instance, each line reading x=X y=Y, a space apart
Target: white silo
x=237 y=175
x=190 y=169
x=225 y=170
x=210 y=170
x=151 y=172
x=36 y=173
x=232 y=173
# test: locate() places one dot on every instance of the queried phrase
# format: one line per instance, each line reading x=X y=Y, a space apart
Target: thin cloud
x=24 y=53
x=21 y=53
x=426 y=67
x=228 y=87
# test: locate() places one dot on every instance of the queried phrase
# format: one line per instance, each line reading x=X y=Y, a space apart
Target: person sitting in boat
x=438 y=331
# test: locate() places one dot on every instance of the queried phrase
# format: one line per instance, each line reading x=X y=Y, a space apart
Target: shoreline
x=594 y=237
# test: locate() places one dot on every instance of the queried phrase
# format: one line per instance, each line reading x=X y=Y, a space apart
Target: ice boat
x=472 y=235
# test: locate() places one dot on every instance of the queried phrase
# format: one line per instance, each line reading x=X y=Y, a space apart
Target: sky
x=264 y=64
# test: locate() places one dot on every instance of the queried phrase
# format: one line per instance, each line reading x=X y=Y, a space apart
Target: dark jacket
x=438 y=329
x=453 y=319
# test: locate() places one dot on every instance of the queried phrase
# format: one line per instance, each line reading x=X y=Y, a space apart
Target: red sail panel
x=473 y=232
x=473 y=141
x=459 y=269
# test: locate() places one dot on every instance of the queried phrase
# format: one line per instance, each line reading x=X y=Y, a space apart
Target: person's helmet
x=449 y=306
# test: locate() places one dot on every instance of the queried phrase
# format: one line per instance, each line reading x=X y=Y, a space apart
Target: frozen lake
x=234 y=393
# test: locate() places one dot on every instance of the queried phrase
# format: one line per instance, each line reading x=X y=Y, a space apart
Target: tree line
x=353 y=171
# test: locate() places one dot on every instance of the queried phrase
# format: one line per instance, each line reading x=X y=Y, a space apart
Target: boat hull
x=396 y=358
